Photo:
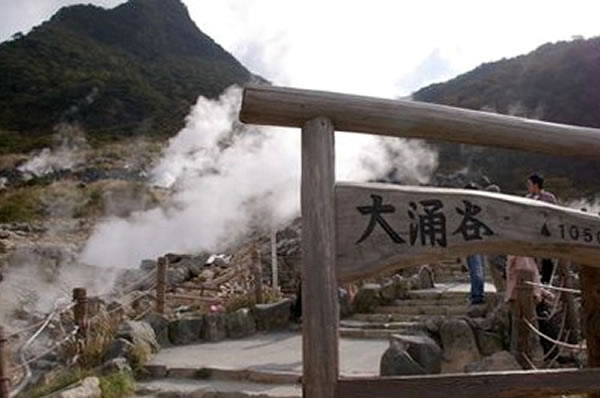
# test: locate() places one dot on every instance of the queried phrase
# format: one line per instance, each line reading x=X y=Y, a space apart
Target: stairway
x=408 y=316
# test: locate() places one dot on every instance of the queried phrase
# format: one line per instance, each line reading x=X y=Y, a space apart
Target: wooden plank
x=475 y=385
x=319 y=287
x=523 y=308
x=590 y=287
x=385 y=227
x=279 y=106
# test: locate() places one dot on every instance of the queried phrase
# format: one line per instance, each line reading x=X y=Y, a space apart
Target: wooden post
x=572 y=326
x=523 y=307
x=161 y=284
x=320 y=316
x=590 y=286
x=80 y=311
x=4 y=379
x=257 y=274
x=274 y=265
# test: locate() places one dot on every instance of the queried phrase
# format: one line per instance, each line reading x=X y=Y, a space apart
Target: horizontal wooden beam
x=382 y=227
x=278 y=106
x=488 y=385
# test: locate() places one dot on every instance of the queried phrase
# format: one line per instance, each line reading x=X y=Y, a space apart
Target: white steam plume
x=223 y=174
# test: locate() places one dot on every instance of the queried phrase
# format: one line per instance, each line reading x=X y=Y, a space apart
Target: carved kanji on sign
x=376 y=211
x=430 y=226
x=471 y=228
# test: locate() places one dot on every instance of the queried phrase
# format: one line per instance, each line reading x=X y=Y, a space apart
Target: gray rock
x=397 y=362
x=116 y=365
x=423 y=350
x=460 y=345
x=148 y=265
x=433 y=324
x=139 y=333
x=402 y=286
x=368 y=297
x=389 y=291
x=160 y=325
x=273 y=316
x=240 y=324
x=87 y=388
x=214 y=327
x=186 y=331
x=426 y=277
x=118 y=348
x=489 y=343
x=345 y=305
x=500 y=361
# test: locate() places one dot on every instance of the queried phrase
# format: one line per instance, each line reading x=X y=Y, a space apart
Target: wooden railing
x=327 y=236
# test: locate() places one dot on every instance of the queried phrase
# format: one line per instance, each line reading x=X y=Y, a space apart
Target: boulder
x=148 y=265
x=186 y=331
x=426 y=277
x=402 y=286
x=118 y=348
x=116 y=365
x=214 y=327
x=345 y=304
x=160 y=325
x=273 y=316
x=423 y=350
x=389 y=291
x=489 y=343
x=460 y=345
x=397 y=362
x=368 y=297
x=240 y=324
x=87 y=388
x=139 y=333
x=497 y=362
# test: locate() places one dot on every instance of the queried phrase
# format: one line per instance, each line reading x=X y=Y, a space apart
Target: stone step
x=424 y=309
x=448 y=301
x=215 y=388
x=376 y=333
x=397 y=326
x=383 y=317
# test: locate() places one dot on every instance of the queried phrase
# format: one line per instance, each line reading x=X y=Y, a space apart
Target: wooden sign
x=383 y=227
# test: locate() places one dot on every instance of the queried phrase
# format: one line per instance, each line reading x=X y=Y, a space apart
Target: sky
x=381 y=48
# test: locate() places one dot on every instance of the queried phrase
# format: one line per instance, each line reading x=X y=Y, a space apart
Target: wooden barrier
x=4 y=377
x=280 y=106
x=490 y=385
x=384 y=227
x=319 y=114
x=320 y=314
x=256 y=268
x=590 y=284
x=523 y=308
x=80 y=312
x=161 y=284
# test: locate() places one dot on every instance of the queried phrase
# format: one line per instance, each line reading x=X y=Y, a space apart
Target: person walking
x=475 y=265
x=536 y=191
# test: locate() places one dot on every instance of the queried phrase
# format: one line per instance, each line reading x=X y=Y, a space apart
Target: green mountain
x=134 y=69
x=557 y=82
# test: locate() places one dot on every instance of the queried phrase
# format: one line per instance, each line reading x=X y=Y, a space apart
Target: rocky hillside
x=131 y=70
x=557 y=83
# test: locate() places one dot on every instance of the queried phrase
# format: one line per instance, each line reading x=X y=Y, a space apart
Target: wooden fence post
x=320 y=315
x=572 y=326
x=80 y=311
x=523 y=307
x=590 y=286
x=274 y=265
x=4 y=378
x=257 y=274
x=161 y=284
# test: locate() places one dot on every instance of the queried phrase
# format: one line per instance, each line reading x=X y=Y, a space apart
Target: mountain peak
x=146 y=28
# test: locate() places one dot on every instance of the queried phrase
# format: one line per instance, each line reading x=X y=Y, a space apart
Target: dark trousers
x=547 y=269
